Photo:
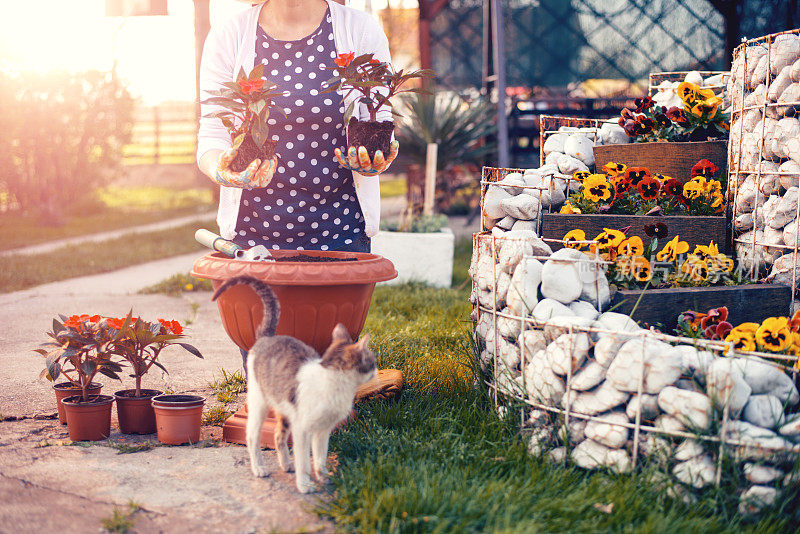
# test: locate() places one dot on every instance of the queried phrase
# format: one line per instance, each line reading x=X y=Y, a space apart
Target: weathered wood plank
x=672 y=159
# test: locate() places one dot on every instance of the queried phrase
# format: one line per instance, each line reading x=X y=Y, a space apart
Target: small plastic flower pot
x=88 y=420
x=136 y=414
x=178 y=418
x=65 y=389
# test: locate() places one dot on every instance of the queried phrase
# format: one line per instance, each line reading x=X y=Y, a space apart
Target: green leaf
x=259 y=132
x=57 y=326
x=53 y=370
x=257 y=106
x=237 y=142
x=88 y=367
x=227 y=123
x=257 y=72
x=191 y=349
x=109 y=373
x=43 y=352
x=158 y=364
x=349 y=112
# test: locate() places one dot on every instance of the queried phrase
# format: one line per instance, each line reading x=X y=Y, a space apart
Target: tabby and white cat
x=310 y=393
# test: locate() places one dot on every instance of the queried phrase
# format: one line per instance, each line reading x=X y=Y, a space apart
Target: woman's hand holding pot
x=257 y=174
x=358 y=159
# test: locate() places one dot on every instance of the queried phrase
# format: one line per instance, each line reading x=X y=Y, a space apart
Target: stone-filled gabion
x=664 y=85
x=764 y=154
x=602 y=392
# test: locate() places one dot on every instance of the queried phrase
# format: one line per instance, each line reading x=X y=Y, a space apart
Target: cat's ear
x=340 y=334
x=362 y=343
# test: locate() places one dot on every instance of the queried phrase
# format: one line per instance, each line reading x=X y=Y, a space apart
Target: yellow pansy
x=568 y=208
x=614 y=169
x=633 y=246
x=672 y=249
x=774 y=334
x=713 y=187
x=704 y=251
x=596 y=188
x=693 y=189
x=571 y=238
x=706 y=107
x=746 y=327
x=742 y=340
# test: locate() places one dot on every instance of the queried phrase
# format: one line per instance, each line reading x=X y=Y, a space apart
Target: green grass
x=121 y=521
x=215 y=416
x=228 y=388
x=440 y=460
x=178 y=284
x=20 y=272
x=114 y=208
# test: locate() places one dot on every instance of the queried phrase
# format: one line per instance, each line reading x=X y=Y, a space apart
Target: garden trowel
x=229 y=248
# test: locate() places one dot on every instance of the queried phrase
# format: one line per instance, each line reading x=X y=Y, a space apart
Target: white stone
x=607 y=431
x=756 y=498
x=688 y=449
x=607 y=347
x=574 y=432
x=794 y=73
x=649 y=407
x=565 y=325
x=527 y=226
x=789 y=167
x=530 y=342
x=726 y=384
x=783 y=271
x=791 y=428
x=568 y=164
x=761 y=474
x=513 y=183
x=657 y=361
x=601 y=399
x=548 y=309
x=560 y=281
x=502 y=284
x=693 y=360
x=554 y=143
x=779 y=84
x=539 y=441
x=697 y=472
x=581 y=308
x=765 y=378
x=760 y=73
x=591 y=455
x=612 y=133
x=568 y=350
x=506 y=223
x=669 y=423
x=523 y=292
x=591 y=375
x=508 y=328
x=757 y=443
x=617 y=322
x=764 y=410
x=694 y=77
x=558 y=455
x=784 y=51
x=690 y=408
x=580 y=147
x=491 y=202
x=541 y=383
x=522 y=206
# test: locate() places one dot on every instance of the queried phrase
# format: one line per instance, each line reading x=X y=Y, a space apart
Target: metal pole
x=498 y=46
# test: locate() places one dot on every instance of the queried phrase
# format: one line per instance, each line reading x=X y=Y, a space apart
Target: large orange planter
x=314 y=297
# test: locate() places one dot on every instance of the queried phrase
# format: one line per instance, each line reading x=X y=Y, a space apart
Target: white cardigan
x=232 y=46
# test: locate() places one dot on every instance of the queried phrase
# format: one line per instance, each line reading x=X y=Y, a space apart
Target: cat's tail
x=272 y=308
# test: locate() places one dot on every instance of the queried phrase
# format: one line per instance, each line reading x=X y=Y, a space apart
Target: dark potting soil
x=248 y=151
x=371 y=135
x=312 y=259
x=179 y=398
x=131 y=393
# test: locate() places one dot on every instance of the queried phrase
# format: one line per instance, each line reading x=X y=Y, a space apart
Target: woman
x=310 y=201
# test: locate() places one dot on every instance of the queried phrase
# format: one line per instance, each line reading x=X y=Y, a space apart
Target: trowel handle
x=214 y=242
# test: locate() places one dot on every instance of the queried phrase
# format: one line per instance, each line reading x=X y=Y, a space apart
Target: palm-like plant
x=459 y=128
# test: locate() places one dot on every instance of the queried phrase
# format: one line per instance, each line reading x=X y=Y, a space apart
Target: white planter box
x=418 y=257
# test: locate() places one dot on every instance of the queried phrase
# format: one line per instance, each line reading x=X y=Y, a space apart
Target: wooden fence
x=163 y=134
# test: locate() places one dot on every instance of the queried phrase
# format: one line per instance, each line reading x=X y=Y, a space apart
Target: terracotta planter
x=314 y=297
x=135 y=414
x=178 y=418
x=65 y=389
x=88 y=421
x=672 y=159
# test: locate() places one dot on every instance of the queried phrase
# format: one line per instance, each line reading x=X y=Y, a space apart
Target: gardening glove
x=360 y=163
x=255 y=175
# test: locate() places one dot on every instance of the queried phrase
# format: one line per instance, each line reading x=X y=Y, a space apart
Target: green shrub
x=418 y=224
x=62 y=137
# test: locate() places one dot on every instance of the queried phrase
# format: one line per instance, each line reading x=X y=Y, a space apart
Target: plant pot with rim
x=178 y=418
x=88 y=419
x=314 y=297
x=244 y=106
x=374 y=83
x=140 y=343
x=81 y=346
x=66 y=389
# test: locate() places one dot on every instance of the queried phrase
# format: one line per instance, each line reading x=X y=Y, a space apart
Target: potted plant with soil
x=375 y=82
x=140 y=343
x=80 y=347
x=246 y=107
x=669 y=140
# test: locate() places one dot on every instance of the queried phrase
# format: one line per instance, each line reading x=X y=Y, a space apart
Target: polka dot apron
x=311 y=203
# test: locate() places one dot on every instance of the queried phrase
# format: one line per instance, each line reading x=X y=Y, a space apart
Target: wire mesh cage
x=590 y=386
x=764 y=156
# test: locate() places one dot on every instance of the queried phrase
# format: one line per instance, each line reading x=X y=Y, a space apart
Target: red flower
x=621 y=189
x=715 y=316
x=704 y=168
x=636 y=174
x=678 y=116
x=171 y=326
x=648 y=188
x=673 y=187
x=248 y=86
x=658 y=230
x=115 y=323
x=343 y=60
x=643 y=104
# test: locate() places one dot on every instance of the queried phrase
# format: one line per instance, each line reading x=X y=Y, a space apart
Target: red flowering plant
x=246 y=107
x=140 y=343
x=624 y=190
x=80 y=346
x=699 y=119
x=375 y=82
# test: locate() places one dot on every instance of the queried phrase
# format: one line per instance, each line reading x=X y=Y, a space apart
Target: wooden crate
x=745 y=303
x=671 y=159
x=695 y=230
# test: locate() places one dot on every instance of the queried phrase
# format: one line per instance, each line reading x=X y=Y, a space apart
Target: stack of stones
x=545 y=337
x=765 y=153
x=521 y=197
x=665 y=93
